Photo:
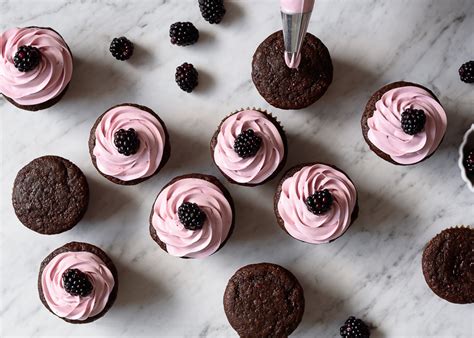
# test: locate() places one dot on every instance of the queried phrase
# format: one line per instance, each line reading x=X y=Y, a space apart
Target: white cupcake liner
x=469 y=134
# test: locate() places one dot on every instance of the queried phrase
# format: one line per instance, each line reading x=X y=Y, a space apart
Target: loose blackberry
x=183 y=34
x=469 y=162
x=319 y=202
x=247 y=143
x=121 y=48
x=126 y=141
x=26 y=58
x=354 y=328
x=212 y=10
x=466 y=72
x=413 y=121
x=186 y=77
x=77 y=283
x=191 y=216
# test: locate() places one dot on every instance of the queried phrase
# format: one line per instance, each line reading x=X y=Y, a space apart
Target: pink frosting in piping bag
x=72 y=307
x=180 y=241
x=254 y=169
x=299 y=222
x=152 y=140
x=386 y=133
x=296 y=6
x=48 y=79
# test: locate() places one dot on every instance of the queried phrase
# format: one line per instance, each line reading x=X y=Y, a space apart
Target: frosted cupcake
x=404 y=123
x=316 y=203
x=78 y=282
x=249 y=147
x=35 y=67
x=192 y=217
x=466 y=158
x=129 y=143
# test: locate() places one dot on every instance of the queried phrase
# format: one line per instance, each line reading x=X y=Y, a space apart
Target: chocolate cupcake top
x=386 y=130
x=35 y=65
x=61 y=297
x=129 y=143
x=316 y=203
x=192 y=217
x=246 y=158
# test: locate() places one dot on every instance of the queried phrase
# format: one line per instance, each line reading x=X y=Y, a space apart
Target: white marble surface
x=373 y=271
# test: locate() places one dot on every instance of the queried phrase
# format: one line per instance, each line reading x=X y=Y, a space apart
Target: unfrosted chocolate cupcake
x=404 y=123
x=448 y=265
x=50 y=195
x=78 y=282
x=316 y=203
x=129 y=144
x=35 y=67
x=291 y=88
x=264 y=300
x=192 y=217
x=249 y=147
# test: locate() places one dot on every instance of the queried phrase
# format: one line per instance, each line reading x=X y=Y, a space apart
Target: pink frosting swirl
x=386 y=133
x=48 y=79
x=152 y=138
x=254 y=169
x=180 y=241
x=302 y=224
x=72 y=307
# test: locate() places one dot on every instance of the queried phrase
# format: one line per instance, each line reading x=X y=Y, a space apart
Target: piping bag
x=295 y=15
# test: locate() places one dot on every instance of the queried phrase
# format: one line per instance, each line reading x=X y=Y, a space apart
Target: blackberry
x=186 y=77
x=191 y=216
x=413 y=121
x=77 y=283
x=212 y=10
x=121 y=48
x=319 y=202
x=466 y=72
x=183 y=34
x=126 y=141
x=354 y=328
x=247 y=143
x=469 y=162
x=26 y=58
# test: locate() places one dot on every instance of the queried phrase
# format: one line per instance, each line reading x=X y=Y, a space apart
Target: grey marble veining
x=373 y=271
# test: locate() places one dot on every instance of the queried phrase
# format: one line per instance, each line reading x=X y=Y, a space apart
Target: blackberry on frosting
x=247 y=143
x=319 y=202
x=77 y=283
x=27 y=58
x=126 y=141
x=191 y=216
x=413 y=121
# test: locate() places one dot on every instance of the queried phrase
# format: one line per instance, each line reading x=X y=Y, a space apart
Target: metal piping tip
x=295 y=15
x=295 y=26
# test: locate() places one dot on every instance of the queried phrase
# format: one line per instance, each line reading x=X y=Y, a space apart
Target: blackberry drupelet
x=212 y=10
x=191 y=216
x=26 y=58
x=247 y=143
x=121 y=48
x=413 y=121
x=354 y=328
x=77 y=283
x=319 y=202
x=469 y=162
x=126 y=141
x=186 y=77
x=183 y=34
x=466 y=72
